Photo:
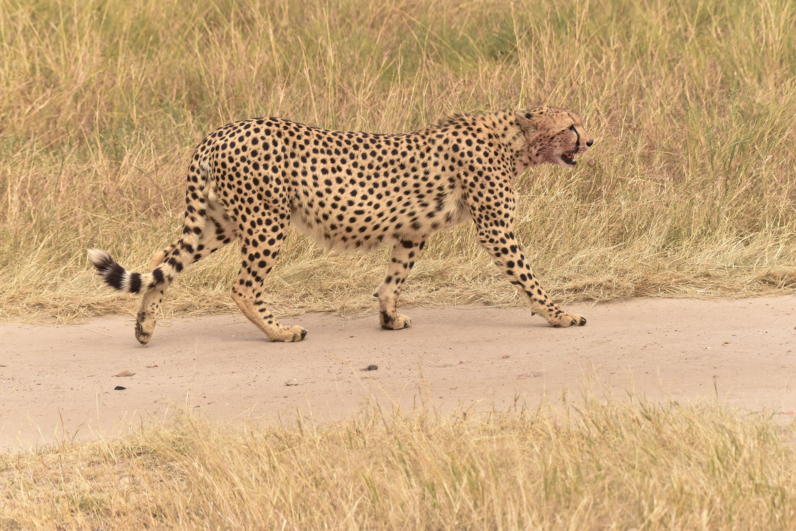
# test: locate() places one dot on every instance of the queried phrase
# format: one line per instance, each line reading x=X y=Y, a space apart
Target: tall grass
x=689 y=189
x=598 y=466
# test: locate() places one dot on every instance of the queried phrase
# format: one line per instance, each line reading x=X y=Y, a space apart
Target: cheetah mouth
x=569 y=158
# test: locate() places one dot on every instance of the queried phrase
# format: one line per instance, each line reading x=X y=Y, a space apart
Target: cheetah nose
x=589 y=143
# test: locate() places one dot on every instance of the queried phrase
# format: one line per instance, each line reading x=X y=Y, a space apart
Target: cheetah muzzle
x=250 y=180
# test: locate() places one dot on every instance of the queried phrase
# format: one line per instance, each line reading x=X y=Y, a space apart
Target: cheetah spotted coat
x=250 y=180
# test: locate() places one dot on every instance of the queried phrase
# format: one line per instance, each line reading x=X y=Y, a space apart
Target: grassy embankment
x=688 y=191
x=600 y=465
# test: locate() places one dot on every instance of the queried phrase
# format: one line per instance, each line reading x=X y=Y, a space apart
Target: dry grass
x=688 y=191
x=595 y=466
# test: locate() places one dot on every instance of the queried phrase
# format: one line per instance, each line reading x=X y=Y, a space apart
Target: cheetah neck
x=514 y=141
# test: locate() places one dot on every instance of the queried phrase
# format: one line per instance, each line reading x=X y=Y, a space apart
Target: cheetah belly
x=361 y=227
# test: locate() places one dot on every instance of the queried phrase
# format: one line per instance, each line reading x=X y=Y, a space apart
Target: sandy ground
x=60 y=380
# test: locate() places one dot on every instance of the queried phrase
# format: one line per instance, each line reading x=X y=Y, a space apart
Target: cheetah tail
x=118 y=277
x=173 y=261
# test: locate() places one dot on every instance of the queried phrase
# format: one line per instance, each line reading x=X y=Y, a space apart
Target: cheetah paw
x=142 y=336
x=399 y=322
x=291 y=334
x=144 y=327
x=568 y=319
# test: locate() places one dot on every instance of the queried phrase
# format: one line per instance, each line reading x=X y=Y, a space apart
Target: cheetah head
x=553 y=136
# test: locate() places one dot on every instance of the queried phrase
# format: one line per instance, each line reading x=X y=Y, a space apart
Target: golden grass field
x=689 y=189
x=600 y=465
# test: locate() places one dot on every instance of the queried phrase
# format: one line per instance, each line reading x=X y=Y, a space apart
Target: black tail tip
x=111 y=272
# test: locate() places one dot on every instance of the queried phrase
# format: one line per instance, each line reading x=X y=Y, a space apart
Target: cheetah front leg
x=506 y=253
x=402 y=258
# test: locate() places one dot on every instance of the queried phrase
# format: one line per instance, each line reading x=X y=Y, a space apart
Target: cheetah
x=353 y=191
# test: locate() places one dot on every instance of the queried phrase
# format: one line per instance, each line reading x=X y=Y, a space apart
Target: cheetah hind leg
x=402 y=258
x=209 y=242
x=259 y=251
x=223 y=232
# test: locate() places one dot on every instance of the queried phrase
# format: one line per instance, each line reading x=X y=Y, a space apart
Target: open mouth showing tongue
x=569 y=158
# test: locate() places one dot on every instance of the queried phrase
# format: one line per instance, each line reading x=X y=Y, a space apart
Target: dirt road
x=61 y=379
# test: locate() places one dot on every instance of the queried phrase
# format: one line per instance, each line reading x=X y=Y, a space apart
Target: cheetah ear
x=528 y=120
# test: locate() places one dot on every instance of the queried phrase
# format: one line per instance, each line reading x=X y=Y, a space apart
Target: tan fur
x=355 y=192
